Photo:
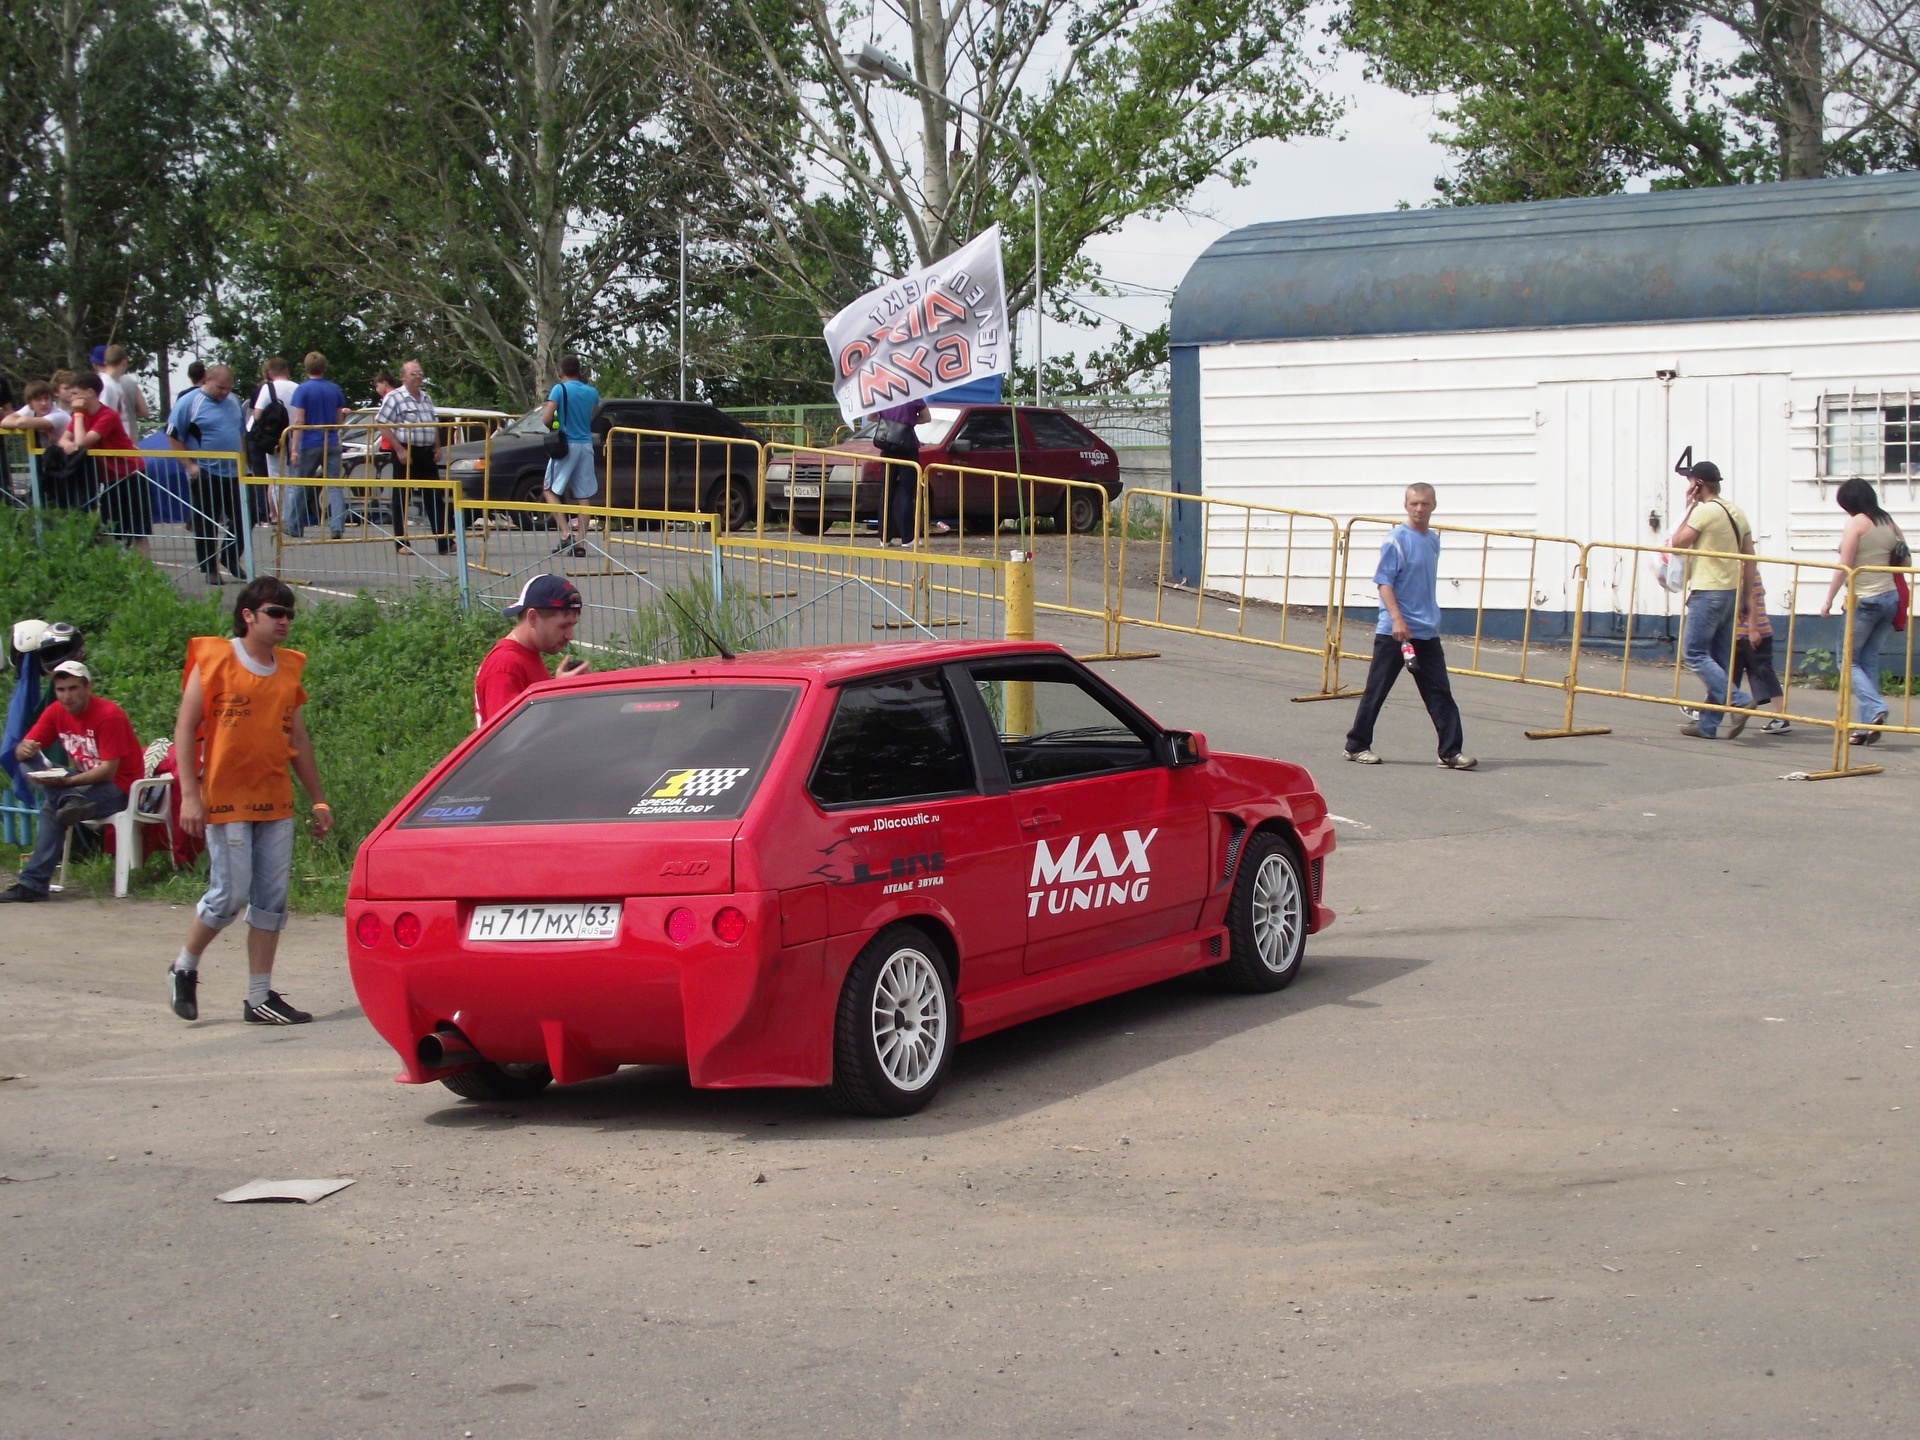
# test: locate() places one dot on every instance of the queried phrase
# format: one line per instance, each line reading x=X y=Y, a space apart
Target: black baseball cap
x=1706 y=470
x=545 y=592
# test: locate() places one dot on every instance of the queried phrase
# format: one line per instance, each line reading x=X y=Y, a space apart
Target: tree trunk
x=549 y=214
x=930 y=35
x=71 y=25
x=1802 y=123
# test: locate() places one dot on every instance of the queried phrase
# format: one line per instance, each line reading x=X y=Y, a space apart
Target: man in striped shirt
x=407 y=417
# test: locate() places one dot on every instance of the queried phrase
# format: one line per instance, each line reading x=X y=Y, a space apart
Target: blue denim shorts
x=249 y=863
x=572 y=475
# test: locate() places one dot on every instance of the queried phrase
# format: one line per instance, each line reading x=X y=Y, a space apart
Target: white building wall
x=1566 y=432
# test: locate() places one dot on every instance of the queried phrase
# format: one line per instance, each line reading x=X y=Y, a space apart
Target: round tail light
x=681 y=926
x=730 y=925
x=367 y=929
x=407 y=929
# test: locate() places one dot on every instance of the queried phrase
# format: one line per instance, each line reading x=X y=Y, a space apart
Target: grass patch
x=389 y=684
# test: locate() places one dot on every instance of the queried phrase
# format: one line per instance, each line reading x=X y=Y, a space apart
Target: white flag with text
x=923 y=333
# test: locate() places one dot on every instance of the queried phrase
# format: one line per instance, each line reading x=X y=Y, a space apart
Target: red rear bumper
x=748 y=1013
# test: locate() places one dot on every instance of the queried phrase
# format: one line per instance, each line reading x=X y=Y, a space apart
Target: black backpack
x=269 y=424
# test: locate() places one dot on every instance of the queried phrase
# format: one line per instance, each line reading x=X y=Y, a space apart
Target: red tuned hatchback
x=816 y=868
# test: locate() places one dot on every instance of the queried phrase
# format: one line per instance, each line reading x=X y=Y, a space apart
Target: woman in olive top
x=1867 y=539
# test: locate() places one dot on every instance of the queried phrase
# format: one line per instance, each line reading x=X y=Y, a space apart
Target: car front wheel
x=1267 y=917
x=894 y=1032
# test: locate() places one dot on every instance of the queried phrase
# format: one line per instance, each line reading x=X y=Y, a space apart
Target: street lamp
x=873 y=63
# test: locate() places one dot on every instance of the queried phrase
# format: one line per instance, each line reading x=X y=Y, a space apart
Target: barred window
x=1868 y=434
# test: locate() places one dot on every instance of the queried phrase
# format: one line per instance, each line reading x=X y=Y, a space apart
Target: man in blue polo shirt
x=1408 y=634
x=569 y=409
x=317 y=401
x=210 y=419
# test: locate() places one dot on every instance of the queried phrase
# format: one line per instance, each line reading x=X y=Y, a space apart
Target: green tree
x=1128 y=107
x=491 y=183
x=107 y=131
x=1550 y=98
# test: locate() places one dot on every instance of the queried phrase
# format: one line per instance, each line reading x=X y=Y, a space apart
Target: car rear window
x=647 y=753
x=1057 y=432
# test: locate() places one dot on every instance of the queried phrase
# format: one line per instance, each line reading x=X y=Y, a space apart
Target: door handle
x=1038 y=819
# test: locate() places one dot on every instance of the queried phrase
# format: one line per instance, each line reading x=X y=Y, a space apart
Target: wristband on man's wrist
x=322 y=805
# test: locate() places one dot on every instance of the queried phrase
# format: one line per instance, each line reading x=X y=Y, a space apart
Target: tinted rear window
x=648 y=753
x=1057 y=432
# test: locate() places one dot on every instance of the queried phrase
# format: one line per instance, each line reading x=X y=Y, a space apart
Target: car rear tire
x=1267 y=917
x=893 y=1035
x=1081 y=510
x=486 y=1081
x=810 y=523
x=529 y=489
x=730 y=502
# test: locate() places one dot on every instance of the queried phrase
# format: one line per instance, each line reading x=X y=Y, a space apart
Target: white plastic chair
x=126 y=834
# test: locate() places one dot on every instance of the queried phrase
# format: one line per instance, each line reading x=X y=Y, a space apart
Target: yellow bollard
x=1019 y=626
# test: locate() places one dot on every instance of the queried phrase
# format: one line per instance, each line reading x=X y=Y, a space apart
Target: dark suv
x=817 y=490
x=705 y=460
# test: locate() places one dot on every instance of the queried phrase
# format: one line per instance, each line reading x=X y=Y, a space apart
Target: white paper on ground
x=305 y=1191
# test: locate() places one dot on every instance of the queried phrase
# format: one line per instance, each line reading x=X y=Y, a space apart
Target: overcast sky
x=1384 y=157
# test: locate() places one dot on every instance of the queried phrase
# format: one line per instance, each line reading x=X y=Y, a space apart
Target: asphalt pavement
x=1594 y=1113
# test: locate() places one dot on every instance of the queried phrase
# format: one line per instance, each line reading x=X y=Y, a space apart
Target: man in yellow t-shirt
x=1715 y=583
x=239 y=729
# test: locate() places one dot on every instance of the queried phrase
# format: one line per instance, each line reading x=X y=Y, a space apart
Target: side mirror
x=961 y=446
x=1189 y=747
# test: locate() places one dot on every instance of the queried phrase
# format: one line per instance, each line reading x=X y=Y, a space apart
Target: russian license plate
x=522 y=923
x=803 y=492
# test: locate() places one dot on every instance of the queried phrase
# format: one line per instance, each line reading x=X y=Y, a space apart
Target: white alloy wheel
x=1277 y=912
x=910 y=1018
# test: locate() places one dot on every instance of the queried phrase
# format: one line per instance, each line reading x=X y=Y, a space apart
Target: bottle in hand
x=1406 y=654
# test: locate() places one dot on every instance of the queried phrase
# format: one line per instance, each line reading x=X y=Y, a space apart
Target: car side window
x=989 y=431
x=893 y=740
x=1057 y=432
x=1052 y=727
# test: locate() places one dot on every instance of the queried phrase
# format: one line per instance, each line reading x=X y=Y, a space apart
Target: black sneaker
x=274 y=1010
x=18 y=894
x=184 y=986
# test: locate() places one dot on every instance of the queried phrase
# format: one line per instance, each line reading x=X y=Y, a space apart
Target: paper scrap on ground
x=305 y=1191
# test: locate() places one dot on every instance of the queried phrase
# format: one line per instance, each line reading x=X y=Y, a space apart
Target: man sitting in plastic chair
x=98 y=759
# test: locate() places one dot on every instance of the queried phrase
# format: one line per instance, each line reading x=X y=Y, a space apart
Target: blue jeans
x=37 y=873
x=1872 y=622
x=1707 y=646
x=248 y=864
x=323 y=462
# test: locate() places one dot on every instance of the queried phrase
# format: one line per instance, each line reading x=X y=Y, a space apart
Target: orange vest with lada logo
x=246 y=731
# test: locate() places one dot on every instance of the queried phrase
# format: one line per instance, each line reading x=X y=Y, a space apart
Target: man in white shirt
x=264 y=450
x=120 y=393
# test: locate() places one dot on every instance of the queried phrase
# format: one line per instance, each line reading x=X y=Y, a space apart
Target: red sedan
x=816 y=868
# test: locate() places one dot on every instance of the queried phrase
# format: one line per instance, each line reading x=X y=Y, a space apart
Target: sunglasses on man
x=277 y=612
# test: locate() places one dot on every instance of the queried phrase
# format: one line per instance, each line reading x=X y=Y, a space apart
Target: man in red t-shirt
x=120 y=483
x=544 y=619
x=103 y=760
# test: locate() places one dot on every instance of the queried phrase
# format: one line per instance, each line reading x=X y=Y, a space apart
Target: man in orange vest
x=239 y=730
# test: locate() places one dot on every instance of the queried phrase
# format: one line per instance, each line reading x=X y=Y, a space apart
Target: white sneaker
x=1458 y=762
x=1363 y=757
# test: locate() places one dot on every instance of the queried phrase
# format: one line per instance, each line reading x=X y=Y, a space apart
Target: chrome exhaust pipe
x=444 y=1049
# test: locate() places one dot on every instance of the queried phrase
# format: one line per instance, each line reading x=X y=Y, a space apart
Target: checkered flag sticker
x=679 y=784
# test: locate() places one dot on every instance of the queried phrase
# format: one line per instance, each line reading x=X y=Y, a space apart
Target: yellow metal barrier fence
x=118 y=487
x=818 y=592
x=1244 y=544
x=1541 y=564
x=1635 y=561
x=1850 y=731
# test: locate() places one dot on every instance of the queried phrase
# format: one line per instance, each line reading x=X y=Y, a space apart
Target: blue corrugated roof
x=1796 y=248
